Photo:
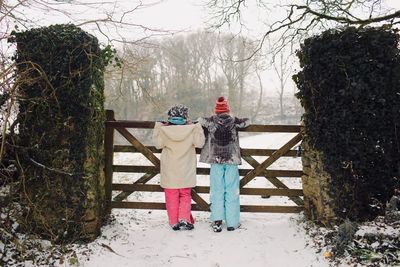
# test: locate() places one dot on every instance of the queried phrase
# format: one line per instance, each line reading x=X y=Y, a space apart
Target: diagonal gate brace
x=270 y=160
x=201 y=202
x=139 y=146
x=273 y=180
x=142 y=180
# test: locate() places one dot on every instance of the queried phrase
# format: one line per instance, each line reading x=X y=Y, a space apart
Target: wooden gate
x=259 y=169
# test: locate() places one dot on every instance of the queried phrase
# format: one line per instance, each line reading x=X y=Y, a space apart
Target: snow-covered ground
x=144 y=238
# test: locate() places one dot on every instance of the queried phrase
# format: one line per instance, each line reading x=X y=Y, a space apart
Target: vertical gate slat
x=108 y=158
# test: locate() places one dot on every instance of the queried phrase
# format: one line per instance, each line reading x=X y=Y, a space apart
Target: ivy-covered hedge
x=349 y=86
x=61 y=129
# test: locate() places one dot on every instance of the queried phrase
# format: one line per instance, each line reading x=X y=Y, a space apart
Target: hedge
x=349 y=86
x=61 y=128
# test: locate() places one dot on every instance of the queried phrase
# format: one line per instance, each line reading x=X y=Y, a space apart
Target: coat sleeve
x=198 y=136
x=242 y=123
x=204 y=122
x=157 y=136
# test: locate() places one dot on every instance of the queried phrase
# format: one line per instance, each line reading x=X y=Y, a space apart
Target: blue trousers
x=224 y=194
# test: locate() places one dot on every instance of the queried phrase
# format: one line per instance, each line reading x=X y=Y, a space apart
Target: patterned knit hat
x=221 y=105
x=179 y=111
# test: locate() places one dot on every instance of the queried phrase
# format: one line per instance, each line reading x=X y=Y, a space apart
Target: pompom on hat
x=221 y=105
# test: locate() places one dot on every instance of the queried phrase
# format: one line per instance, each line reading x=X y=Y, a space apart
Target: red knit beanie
x=221 y=105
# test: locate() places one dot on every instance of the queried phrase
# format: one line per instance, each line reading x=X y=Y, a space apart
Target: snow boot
x=176 y=227
x=217 y=226
x=184 y=225
x=231 y=228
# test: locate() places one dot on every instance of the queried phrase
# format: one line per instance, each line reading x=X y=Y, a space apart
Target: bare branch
x=53 y=169
x=306 y=17
x=347 y=20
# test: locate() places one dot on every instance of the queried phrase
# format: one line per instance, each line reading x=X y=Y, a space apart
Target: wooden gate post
x=109 y=156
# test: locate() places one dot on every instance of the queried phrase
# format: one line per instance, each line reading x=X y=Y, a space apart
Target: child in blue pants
x=222 y=151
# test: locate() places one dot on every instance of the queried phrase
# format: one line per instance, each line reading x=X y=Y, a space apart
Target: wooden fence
x=247 y=175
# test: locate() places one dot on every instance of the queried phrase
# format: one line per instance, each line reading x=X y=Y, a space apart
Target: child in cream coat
x=178 y=139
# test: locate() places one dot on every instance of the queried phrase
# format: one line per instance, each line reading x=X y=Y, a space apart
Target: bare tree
x=192 y=69
x=283 y=68
x=302 y=17
x=260 y=97
x=110 y=22
x=230 y=52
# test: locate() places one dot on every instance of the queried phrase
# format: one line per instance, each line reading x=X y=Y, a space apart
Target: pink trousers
x=178 y=204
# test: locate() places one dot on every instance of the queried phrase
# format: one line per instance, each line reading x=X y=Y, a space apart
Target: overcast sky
x=150 y=17
x=184 y=14
x=171 y=15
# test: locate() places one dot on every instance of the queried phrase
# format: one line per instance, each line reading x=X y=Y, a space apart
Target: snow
x=144 y=238
x=385 y=230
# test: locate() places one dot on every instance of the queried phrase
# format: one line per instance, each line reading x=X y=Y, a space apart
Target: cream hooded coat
x=178 y=156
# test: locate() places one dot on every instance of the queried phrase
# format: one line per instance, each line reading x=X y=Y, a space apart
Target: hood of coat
x=224 y=120
x=178 y=132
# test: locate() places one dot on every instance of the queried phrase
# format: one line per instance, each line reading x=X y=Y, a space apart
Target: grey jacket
x=222 y=139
